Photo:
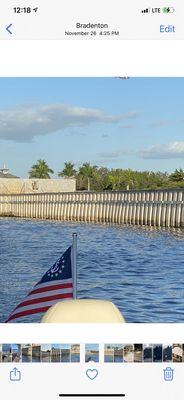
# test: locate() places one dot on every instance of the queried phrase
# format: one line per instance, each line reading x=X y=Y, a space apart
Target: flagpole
x=74 y=264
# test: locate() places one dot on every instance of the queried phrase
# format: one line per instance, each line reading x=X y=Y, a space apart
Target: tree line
x=92 y=177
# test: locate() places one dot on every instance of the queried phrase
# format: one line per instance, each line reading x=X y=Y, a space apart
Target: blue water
x=65 y=357
x=140 y=269
x=108 y=358
x=91 y=357
x=75 y=357
x=26 y=358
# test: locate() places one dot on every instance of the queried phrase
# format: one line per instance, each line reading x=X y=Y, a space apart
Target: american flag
x=55 y=285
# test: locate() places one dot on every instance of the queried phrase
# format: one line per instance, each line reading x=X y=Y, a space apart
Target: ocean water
x=140 y=269
x=91 y=357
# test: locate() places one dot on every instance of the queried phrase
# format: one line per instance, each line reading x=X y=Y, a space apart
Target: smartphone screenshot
x=91 y=200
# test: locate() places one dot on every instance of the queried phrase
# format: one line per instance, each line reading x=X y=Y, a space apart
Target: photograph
x=177 y=352
x=128 y=353
x=118 y=353
x=147 y=353
x=167 y=353
x=91 y=201
x=65 y=353
x=138 y=353
x=36 y=353
x=46 y=353
x=6 y=353
x=55 y=353
x=75 y=353
x=157 y=353
x=113 y=352
x=26 y=353
x=109 y=353
x=16 y=353
x=92 y=353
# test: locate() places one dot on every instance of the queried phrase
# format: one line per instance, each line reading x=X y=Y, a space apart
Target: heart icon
x=92 y=373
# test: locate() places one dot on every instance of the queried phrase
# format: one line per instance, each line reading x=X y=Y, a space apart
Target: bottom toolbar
x=51 y=381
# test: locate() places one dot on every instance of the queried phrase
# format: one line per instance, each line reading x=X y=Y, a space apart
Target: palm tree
x=177 y=175
x=68 y=170
x=40 y=170
x=86 y=171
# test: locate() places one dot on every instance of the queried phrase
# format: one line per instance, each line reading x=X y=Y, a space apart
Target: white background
x=98 y=58
x=91 y=333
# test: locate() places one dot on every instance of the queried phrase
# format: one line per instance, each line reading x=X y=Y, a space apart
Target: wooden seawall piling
x=145 y=207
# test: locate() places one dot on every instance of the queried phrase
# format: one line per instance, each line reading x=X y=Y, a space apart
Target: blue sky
x=92 y=347
x=135 y=123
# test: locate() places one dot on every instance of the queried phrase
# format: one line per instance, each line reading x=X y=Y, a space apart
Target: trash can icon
x=168 y=374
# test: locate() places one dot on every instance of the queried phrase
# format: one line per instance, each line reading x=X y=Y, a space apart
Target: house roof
x=4 y=173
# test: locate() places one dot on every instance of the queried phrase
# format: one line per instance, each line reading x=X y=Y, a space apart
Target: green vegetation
x=122 y=179
x=68 y=170
x=177 y=175
x=92 y=177
x=89 y=173
x=40 y=170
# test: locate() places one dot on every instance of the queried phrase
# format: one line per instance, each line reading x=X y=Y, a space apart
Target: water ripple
x=140 y=269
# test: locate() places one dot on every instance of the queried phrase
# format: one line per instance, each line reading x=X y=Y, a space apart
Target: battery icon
x=168 y=10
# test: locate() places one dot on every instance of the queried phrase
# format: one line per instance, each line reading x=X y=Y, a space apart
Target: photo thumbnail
x=91 y=209
x=92 y=352
x=26 y=353
x=113 y=353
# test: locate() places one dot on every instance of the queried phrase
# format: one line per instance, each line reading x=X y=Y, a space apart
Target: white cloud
x=169 y=150
x=22 y=124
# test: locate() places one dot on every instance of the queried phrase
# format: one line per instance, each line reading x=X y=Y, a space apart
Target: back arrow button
x=8 y=29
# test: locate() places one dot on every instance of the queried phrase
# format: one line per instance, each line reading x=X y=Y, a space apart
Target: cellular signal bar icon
x=145 y=11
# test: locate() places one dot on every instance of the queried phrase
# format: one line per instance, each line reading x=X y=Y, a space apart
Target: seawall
x=145 y=207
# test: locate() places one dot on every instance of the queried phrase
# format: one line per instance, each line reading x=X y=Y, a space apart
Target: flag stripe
x=44 y=299
x=51 y=287
x=58 y=282
x=47 y=293
x=46 y=303
x=28 y=312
